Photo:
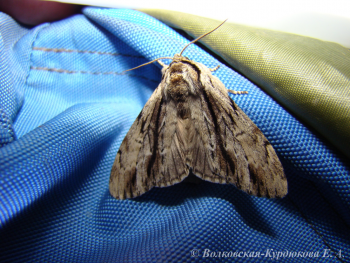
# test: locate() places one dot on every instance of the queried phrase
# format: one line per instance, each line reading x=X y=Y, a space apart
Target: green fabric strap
x=310 y=77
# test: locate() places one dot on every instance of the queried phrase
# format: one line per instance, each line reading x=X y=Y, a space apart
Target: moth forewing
x=190 y=124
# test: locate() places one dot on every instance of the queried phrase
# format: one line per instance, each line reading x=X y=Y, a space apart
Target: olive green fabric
x=308 y=76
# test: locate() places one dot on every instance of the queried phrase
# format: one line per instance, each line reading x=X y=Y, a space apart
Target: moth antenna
x=193 y=41
x=147 y=63
x=198 y=38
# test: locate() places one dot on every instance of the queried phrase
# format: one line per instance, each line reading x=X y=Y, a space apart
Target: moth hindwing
x=190 y=124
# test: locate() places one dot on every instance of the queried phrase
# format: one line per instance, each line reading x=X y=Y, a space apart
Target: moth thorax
x=180 y=81
x=178 y=87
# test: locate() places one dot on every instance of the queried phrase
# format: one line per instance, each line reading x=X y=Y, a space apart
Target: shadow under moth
x=190 y=126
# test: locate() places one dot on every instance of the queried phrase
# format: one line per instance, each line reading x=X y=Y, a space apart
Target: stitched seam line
x=6 y=123
x=63 y=50
x=57 y=70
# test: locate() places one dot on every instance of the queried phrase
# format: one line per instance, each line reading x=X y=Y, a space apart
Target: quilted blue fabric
x=65 y=108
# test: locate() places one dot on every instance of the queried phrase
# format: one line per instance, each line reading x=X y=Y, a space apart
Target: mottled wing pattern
x=229 y=147
x=215 y=140
x=150 y=154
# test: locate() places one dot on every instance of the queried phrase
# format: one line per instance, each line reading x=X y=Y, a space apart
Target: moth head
x=177 y=58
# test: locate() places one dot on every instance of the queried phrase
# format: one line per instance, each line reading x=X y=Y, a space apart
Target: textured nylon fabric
x=68 y=109
x=308 y=76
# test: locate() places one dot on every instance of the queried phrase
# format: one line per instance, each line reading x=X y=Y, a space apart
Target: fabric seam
x=7 y=125
x=58 y=70
x=64 y=50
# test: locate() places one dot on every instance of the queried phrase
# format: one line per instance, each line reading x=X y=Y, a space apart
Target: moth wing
x=149 y=154
x=232 y=146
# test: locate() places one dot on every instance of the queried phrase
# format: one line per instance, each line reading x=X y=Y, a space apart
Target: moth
x=190 y=126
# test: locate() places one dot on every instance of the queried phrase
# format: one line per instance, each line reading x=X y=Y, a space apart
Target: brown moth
x=191 y=125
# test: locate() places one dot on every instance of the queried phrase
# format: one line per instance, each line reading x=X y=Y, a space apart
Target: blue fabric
x=64 y=110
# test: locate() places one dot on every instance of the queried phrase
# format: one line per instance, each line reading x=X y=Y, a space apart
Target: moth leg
x=216 y=68
x=237 y=92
